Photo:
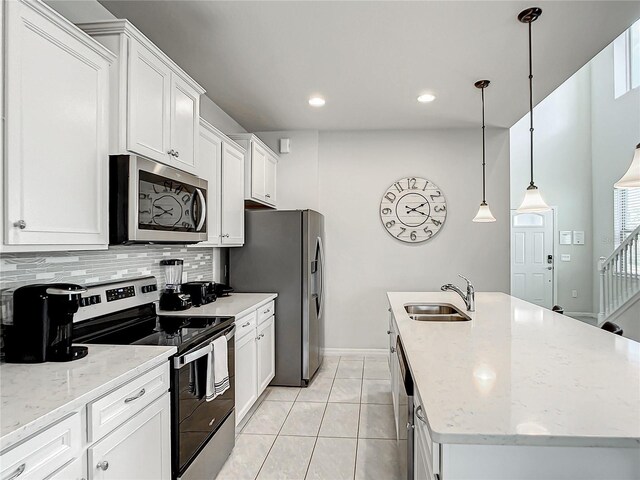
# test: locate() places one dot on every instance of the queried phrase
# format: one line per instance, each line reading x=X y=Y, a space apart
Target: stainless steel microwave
x=152 y=203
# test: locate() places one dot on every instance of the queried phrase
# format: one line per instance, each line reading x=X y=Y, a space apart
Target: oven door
x=165 y=204
x=194 y=420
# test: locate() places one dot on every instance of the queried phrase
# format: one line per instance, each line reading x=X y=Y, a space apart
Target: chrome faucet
x=469 y=298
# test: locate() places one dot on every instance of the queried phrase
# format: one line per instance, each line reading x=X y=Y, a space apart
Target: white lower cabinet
x=266 y=353
x=133 y=441
x=255 y=357
x=74 y=470
x=140 y=448
x=246 y=374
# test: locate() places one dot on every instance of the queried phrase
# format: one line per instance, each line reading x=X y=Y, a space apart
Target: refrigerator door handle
x=320 y=264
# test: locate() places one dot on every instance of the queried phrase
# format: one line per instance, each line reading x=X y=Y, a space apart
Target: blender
x=172 y=297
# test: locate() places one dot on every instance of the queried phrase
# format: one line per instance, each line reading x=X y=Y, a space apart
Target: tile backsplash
x=82 y=267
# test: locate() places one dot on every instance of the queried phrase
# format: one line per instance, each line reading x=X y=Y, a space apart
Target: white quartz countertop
x=35 y=395
x=235 y=305
x=519 y=374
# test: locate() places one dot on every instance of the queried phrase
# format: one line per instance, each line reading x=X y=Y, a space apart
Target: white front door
x=532 y=257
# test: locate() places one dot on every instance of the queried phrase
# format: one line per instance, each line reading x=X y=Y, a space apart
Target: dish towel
x=217 y=369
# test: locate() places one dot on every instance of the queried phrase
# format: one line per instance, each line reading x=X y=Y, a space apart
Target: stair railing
x=619 y=275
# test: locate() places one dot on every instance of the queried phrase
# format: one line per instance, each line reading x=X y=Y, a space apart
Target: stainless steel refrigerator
x=283 y=253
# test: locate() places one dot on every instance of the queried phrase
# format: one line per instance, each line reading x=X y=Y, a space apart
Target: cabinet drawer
x=246 y=325
x=266 y=311
x=116 y=407
x=44 y=453
x=423 y=437
x=74 y=470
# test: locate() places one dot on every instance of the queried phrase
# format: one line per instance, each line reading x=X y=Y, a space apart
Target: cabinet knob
x=103 y=465
x=21 y=224
x=393 y=350
x=388 y=332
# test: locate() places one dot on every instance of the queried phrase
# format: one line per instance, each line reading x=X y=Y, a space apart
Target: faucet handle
x=469 y=284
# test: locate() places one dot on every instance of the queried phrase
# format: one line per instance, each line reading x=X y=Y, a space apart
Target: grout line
x=316 y=441
x=274 y=440
x=355 y=460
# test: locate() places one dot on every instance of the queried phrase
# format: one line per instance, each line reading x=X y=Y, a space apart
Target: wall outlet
x=574 y=293
x=185 y=277
x=565 y=257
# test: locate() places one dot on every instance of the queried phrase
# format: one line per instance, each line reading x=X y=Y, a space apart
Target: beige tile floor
x=340 y=427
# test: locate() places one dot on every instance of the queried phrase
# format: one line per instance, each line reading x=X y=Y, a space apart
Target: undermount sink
x=433 y=312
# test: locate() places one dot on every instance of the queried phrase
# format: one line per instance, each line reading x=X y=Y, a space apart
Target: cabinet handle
x=245 y=324
x=21 y=224
x=417 y=412
x=177 y=154
x=225 y=235
x=170 y=152
x=17 y=472
x=103 y=465
x=388 y=332
x=267 y=310
x=268 y=196
x=135 y=397
x=393 y=350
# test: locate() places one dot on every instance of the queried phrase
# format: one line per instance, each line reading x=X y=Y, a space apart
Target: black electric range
x=124 y=313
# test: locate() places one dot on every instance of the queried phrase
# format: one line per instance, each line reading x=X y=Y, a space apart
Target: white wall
x=562 y=171
x=297 y=183
x=364 y=261
x=615 y=126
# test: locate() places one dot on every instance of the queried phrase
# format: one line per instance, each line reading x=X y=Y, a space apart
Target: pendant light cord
x=483 y=152
x=531 y=102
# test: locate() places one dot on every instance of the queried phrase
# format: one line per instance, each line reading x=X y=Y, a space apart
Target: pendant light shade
x=533 y=201
x=631 y=179
x=484 y=213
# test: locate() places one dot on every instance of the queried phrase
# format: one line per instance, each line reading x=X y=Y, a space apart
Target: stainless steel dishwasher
x=404 y=413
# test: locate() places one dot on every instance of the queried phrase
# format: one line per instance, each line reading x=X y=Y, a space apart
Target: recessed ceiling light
x=426 y=98
x=316 y=101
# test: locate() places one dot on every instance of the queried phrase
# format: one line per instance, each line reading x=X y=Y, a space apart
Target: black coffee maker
x=43 y=323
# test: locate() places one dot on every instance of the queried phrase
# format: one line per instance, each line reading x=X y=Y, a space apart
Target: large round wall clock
x=413 y=209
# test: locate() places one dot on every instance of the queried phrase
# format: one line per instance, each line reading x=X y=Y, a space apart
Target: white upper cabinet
x=260 y=170
x=56 y=132
x=148 y=103
x=185 y=108
x=221 y=164
x=233 y=179
x=209 y=167
x=155 y=105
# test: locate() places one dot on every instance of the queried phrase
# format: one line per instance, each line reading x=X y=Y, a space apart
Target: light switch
x=578 y=237
x=574 y=293
x=565 y=257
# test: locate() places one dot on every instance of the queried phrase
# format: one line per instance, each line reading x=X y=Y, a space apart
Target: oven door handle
x=181 y=361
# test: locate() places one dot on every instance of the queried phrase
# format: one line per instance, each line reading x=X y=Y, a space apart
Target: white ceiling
x=260 y=61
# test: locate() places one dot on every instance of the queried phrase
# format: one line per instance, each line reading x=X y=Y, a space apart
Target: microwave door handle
x=203 y=215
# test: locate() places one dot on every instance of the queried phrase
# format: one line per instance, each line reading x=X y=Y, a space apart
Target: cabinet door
x=246 y=375
x=74 y=470
x=209 y=167
x=270 y=180
x=266 y=353
x=185 y=119
x=258 y=171
x=140 y=448
x=56 y=161
x=232 y=195
x=149 y=96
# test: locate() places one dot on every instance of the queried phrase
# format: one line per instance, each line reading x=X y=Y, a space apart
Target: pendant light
x=631 y=179
x=484 y=213
x=533 y=201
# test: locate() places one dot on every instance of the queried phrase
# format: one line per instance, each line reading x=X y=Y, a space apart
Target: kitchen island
x=520 y=392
